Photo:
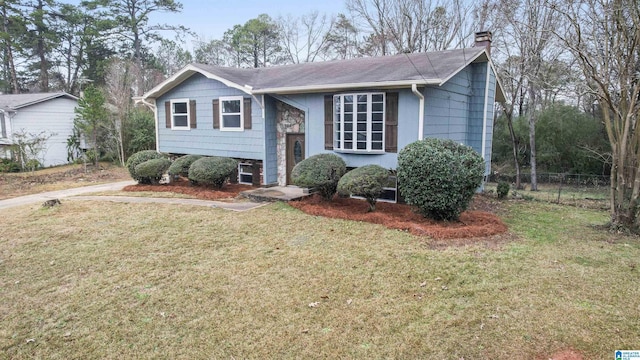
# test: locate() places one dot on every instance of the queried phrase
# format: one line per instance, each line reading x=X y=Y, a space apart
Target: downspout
x=154 y=108
x=484 y=116
x=414 y=89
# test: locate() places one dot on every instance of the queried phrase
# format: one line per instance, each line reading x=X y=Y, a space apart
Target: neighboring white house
x=52 y=113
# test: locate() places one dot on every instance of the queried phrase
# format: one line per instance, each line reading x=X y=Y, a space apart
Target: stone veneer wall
x=288 y=120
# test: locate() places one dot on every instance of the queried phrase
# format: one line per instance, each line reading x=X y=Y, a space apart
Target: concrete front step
x=276 y=193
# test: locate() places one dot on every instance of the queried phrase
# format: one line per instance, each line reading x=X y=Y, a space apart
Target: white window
x=231 y=113
x=180 y=114
x=245 y=173
x=358 y=122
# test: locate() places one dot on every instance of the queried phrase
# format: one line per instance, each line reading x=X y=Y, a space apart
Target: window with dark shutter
x=167 y=114
x=328 y=122
x=391 y=123
x=247 y=113
x=192 y=114
x=216 y=114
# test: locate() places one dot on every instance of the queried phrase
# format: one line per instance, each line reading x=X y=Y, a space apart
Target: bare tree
x=604 y=36
x=303 y=38
x=415 y=25
x=119 y=82
x=526 y=44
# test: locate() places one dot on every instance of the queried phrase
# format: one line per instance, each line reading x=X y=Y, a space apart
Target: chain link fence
x=573 y=180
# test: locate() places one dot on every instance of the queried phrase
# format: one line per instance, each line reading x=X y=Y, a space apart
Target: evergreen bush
x=152 y=170
x=439 y=177
x=138 y=158
x=320 y=172
x=212 y=170
x=181 y=165
x=502 y=190
x=366 y=181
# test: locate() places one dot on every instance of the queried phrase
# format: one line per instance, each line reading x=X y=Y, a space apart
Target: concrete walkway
x=75 y=194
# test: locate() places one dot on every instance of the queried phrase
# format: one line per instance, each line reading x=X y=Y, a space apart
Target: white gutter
x=414 y=88
x=486 y=107
x=154 y=108
x=332 y=87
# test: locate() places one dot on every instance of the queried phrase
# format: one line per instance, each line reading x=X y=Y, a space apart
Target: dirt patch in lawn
x=475 y=223
x=567 y=354
x=59 y=178
x=182 y=186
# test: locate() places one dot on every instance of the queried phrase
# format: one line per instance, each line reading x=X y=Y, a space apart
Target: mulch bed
x=181 y=186
x=472 y=223
x=477 y=224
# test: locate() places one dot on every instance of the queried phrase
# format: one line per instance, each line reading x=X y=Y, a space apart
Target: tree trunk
x=531 y=115
x=9 y=61
x=41 y=48
x=514 y=148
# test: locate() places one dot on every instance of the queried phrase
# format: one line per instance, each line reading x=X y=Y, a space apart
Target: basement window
x=245 y=173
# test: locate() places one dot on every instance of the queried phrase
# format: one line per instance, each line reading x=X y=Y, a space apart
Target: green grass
x=107 y=280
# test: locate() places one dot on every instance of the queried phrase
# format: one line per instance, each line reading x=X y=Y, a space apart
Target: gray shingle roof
x=430 y=67
x=433 y=68
x=16 y=101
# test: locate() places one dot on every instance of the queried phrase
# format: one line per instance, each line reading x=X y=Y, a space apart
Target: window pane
x=348 y=118
x=348 y=145
x=376 y=106
x=180 y=120
x=376 y=146
x=337 y=127
x=348 y=108
x=376 y=127
x=348 y=99
x=376 y=117
x=362 y=136
x=231 y=106
x=180 y=108
x=362 y=145
x=362 y=108
x=362 y=98
x=348 y=136
x=377 y=98
x=376 y=136
x=362 y=117
x=231 y=121
x=362 y=127
x=348 y=127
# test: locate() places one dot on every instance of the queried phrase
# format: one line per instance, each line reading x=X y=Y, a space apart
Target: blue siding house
x=365 y=110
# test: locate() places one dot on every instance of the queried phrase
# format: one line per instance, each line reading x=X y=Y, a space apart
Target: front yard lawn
x=108 y=280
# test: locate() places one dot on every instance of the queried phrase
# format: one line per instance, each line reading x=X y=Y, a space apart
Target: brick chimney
x=483 y=38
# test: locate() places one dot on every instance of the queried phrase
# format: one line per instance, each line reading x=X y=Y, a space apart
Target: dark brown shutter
x=328 y=122
x=216 y=114
x=247 y=113
x=391 y=123
x=192 y=114
x=167 y=114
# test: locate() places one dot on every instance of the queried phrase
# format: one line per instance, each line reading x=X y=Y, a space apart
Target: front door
x=295 y=152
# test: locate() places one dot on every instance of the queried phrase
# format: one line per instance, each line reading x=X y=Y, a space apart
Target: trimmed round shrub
x=138 y=158
x=152 y=170
x=502 y=190
x=212 y=170
x=181 y=165
x=320 y=172
x=366 y=181
x=439 y=177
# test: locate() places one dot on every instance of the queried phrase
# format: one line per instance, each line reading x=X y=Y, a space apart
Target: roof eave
x=345 y=86
x=182 y=75
x=51 y=97
x=499 y=97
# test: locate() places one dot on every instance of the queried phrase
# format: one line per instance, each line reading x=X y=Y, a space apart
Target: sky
x=210 y=19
